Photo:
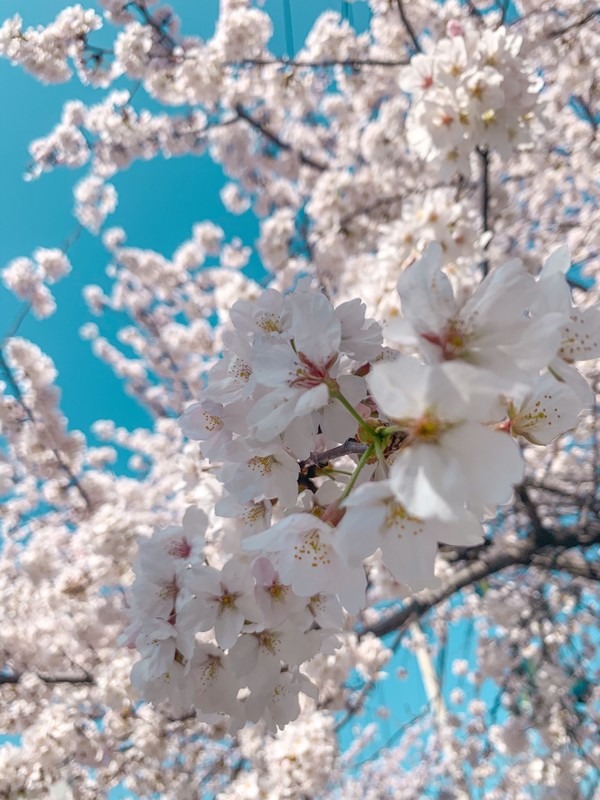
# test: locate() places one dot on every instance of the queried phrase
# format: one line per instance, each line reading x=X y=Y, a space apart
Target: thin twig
x=577 y=24
x=74 y=480
x=50 y=679
x=485 y=201
x=272 y=137
x=408 y=25
x=495 y=560
x=164 y=36
x=323 y=458
x=355 y=63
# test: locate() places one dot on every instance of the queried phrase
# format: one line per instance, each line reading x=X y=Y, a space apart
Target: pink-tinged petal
x=272 y=414
x=502 y=298
x=244 y=655
x=299 y=435
x=201 y=420
x=263 y=571
x=273 y=363
x=327 y=610
x=351 y=588
x=357 y=532
x=402 y=332
x=268 y=541
x=195 y=521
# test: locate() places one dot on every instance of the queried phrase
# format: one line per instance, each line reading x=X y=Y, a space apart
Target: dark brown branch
x=272 y=137
x=497 y=558
x=408 y=25
x=163 y=35
x=323 y=458
x=485 y=200
x=382 y=201
x=50 y=680
x=563 y=561
x=354 y=63
x=588 y=114
x=577 y=24
x=74 y=480
x=473 y=10
x=541 y=534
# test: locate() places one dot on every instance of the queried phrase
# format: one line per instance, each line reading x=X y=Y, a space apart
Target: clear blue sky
x=158 y=203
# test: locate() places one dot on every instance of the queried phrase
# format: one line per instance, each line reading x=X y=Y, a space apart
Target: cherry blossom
x=376 y=460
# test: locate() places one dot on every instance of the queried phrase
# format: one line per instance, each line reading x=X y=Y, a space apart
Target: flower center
x=179 y=548
x=309 y=374
x=427 y=428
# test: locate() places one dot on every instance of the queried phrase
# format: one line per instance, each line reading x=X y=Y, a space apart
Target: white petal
x=228 y=626
x=428 y=482
x=490 y=463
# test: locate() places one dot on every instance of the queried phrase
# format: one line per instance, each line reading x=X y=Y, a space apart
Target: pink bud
x=454 y=28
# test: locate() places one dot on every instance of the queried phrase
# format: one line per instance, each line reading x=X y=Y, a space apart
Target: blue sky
x=158 y=203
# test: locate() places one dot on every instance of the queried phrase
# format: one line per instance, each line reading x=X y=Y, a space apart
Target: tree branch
x=588 y=114
x=541 y=534
x=74 y=480
x=485 y=201
x=272 y=137
x=163 y=35
x=15 y=678
x=563 y=561
x=577 y=24
x=354 y=63
x=492 y=561
x=323 y=458
x=408 y=25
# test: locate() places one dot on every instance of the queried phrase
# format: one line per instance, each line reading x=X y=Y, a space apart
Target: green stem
x=380 y=455
x=332 y=471
x=389 y=430
x=351 y=410
x=363 y=460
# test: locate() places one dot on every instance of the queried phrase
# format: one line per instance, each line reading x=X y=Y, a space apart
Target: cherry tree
x=390 y=438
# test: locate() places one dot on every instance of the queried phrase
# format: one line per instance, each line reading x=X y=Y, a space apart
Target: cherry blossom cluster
x=324 y=147
x=27 y=278
x=473 y=90
x=44 y=51
x=331 y=447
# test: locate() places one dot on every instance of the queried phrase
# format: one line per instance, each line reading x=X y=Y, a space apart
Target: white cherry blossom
x=304 y=550
x=448 y=459
x=375 y=519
